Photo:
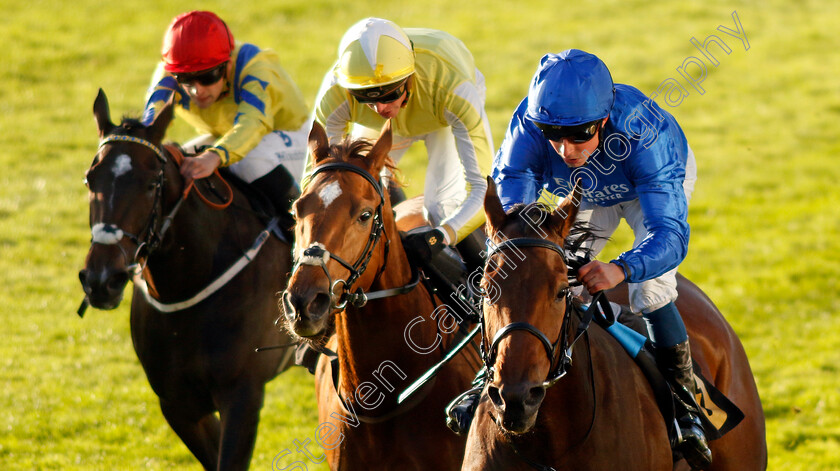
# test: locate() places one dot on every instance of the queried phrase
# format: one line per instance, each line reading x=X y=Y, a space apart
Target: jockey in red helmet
x=252 y=116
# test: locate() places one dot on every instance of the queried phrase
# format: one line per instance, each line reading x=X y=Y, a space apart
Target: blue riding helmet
x=570 y=88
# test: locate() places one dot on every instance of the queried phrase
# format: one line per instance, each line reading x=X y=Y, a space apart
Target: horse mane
x=523 y=225
x=350 y=148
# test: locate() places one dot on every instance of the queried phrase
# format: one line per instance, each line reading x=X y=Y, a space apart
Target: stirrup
x=690 y=442
x=460 y=412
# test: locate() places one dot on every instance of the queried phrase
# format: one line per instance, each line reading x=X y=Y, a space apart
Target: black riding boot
x=675 y=364
x=279 y=187
x=470 y=248
x=460 y=412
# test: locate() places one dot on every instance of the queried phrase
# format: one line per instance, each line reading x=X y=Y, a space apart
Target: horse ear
x=564 y=216
x=380 y=150
x=493 y=209
x=102 y=114
x=158 y=128
x=319 y=144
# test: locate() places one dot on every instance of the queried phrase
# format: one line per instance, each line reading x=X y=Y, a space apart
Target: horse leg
x=200 y=433
x=240 y=416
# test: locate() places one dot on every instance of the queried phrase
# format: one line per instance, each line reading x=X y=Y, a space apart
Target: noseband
x=558 y=363
x=318 y=255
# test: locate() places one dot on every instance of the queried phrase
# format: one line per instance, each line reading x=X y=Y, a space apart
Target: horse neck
x=199 y=240
x=375 y=333
x=571 y=425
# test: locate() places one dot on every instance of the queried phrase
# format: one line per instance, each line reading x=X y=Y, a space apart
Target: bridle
x=318 y=255
x=559 y=352
x=150 y=238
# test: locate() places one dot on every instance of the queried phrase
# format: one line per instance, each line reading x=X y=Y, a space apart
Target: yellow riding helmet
x=374 y=52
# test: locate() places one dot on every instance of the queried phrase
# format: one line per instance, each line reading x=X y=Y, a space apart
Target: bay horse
x=602 y=414
x=195 y=340
x=353 y=292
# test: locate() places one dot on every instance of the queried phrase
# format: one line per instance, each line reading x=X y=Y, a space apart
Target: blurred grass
x=764 y=215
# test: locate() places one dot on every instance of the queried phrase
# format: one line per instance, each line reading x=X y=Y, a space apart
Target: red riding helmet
x=195 y=41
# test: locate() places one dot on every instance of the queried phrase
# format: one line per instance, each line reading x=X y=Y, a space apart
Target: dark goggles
x=203 y=77
x=386 y=94
x=578 y=134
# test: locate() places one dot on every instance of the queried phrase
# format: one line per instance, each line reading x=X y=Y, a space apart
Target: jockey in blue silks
x=634 y=163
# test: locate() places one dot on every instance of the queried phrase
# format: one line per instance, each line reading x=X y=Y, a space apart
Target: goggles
x=203 y=77
x=385 y=94
x=578 y=134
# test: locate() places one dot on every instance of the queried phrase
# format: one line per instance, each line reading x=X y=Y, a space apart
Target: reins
x=558 y=366
x=147 y=244
x=318 y=255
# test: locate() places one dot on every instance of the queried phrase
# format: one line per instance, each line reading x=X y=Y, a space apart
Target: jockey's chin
x=576 y=161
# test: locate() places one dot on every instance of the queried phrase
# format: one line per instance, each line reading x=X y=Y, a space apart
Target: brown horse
x=352 y=278
x=602 y=414
x=195 y=340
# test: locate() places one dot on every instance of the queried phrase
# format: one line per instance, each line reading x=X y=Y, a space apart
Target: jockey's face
x=576 y=154
x=205 y=95
x=391 y=109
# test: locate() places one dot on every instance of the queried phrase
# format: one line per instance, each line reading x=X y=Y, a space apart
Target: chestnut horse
x=353 y=291
x=602 y=414
x=195 y=340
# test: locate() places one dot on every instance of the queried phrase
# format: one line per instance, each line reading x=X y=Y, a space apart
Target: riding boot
x=280 y=189
x=460 y=412
x=471 y=247
x=675 y=364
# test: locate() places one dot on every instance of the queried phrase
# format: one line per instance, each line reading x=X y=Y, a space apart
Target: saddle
x=718 y=414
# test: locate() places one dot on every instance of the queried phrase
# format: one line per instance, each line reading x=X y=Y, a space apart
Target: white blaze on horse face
x=329 y=193
x=122 y=165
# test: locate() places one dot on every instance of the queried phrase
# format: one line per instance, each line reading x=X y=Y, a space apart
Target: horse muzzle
x=516 y=406
x=104 y=288
x=307 y=313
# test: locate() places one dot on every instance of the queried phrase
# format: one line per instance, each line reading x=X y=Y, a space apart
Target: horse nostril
x=495 y=396
x=535 y=395
x=83 y=274
x=289 y=308
x=319 y=305
x=117 y=281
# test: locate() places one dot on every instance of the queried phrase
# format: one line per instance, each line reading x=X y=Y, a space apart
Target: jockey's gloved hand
x=423 y=243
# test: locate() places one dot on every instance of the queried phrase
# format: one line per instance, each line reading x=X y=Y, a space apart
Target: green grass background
x=764 y=216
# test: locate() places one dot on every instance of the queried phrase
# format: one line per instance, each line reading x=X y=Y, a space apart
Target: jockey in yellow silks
x=425 y=81
x=252 y=115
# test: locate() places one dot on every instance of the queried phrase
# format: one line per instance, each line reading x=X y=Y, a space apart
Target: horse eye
x=365 y=216
x=562 y=293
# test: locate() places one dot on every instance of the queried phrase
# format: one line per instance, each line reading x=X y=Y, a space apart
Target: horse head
x=526 y=314
x=341 y=216
x=126 y=193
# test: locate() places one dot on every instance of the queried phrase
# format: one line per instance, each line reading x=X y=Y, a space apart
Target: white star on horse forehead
x=122 y=165
x=329 y=193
